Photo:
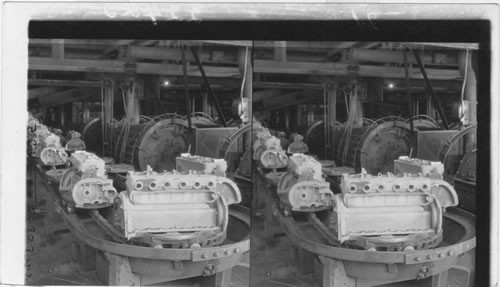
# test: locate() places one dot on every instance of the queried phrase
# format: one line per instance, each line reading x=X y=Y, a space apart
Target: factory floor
x=272 y=260
x=52 y=260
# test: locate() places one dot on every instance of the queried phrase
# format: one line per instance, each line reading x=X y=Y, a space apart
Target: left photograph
x=138 y=162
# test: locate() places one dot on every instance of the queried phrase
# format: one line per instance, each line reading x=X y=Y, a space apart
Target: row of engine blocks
x=402 y=208
x=185 y=207
x=47 y=144
x=187 y=203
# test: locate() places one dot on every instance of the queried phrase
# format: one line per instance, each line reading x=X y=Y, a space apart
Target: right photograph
x=364 y=163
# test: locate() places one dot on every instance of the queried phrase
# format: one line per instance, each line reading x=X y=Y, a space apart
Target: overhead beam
x=387 y=56
x=306 y=44
x=111 y=66
x=63 y=83
x=343 y=69
x=40 y=92
x=286 y=100
x=460 y=46
x=165 y=53
x=228 y=43
x=287 y=86
x=63 y=97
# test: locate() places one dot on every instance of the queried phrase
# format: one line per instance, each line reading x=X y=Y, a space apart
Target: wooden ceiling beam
x=112 y=66
x=387 y=56
x=279 y=102
x=63 y=83
x=343 y=69
x=40 y=92
x=288 y=86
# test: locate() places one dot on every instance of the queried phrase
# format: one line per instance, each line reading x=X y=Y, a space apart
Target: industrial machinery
x=406 y=164
x=391 y=212
x=303 y=187
x=153 y=141
x=175 y=209
x=373 y=147
x=382 y=229
x=298 y=145
x=74 y=142
x=45 y=145
x=267 y=149
x=85 y=184
x=187 y=162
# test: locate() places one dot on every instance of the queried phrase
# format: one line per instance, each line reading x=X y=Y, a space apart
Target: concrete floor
x=53 y=261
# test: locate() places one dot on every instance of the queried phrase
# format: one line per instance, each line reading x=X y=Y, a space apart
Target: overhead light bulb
x=391 y=86
x=166 y=83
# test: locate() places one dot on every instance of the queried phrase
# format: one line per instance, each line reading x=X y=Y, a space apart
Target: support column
x=86 y=111
x=334 y=273
x=466 y=66
x=331 y=90
x=245 y=59
x=440 y=280
x=120 y=272
x=134 y=92
x=224 y=278
x=107 y=95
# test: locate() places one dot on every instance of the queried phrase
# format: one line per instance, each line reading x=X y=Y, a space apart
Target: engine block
x=50 y=151
x=267 y=149
x=44 y=144
x=432 y=169
x=86 y=183
x=388 y=210
x=182 y=209
x=187 y=162
x=303 y=187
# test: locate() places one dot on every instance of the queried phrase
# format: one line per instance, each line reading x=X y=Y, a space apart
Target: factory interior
x=251 y=163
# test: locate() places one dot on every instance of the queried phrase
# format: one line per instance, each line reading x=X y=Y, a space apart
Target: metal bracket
x=440 y=253
x=214 y=253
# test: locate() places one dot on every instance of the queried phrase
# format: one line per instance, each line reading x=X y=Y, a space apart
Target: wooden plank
x=111 y=66
x=63 y=83
x=66 y=97
x=228 y=43
x=69 y=53
x=306 y=44
x=386 y=56
x=165 y=53
x=40 y=92
x=343 y=69
x=287 y=86
x=461 y=46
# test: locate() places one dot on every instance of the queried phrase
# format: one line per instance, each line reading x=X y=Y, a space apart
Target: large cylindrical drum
x=373 y=147
x=92 y=136
x=154 y=144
